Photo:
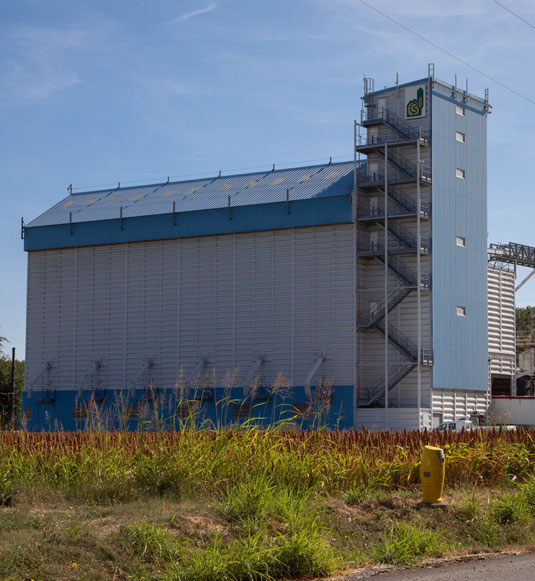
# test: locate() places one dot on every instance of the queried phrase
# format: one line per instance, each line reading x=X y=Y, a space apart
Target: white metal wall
x=288 y=294
x=502 y=324
x=378 y=419
x=452 y=404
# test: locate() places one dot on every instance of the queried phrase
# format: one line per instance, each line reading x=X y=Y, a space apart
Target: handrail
x=394 y=377
x=367 y=177
x=401 y=341
x=379 y=312
x=402 y=209
x=386 y=116
x=408 y=278
x=393 y=137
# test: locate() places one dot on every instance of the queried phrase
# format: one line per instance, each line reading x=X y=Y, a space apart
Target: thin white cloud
x=38 y=82
x=41 y=61
x=193 y=13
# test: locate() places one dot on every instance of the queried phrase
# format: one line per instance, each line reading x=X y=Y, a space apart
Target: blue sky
x=95 y=92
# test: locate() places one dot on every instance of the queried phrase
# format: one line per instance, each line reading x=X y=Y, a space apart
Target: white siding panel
x=501 y=320
x=454 y=404
x=288 y=294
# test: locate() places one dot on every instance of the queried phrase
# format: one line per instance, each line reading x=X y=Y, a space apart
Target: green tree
x=6 y=394
x=525 y=320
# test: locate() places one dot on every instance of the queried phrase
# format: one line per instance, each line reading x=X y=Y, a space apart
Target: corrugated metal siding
x=321 y=210
x=215 y=412
x=304 y=183
x=449 y=405
x=502 y=323
x=459 y=274
x=377 y=419
x=288 y=294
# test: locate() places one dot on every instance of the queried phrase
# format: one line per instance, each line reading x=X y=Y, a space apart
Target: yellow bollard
x=432 y=472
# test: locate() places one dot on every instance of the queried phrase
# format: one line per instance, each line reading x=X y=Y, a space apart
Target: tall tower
x=421 y=253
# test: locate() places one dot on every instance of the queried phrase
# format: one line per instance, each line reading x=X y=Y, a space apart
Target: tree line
x=7 y=397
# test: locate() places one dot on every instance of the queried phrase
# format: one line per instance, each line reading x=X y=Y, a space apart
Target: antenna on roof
x=331 y=160
x=168 y=179
x=273 y=167
x=118 y=185
x=69 y=189
x=219 y=174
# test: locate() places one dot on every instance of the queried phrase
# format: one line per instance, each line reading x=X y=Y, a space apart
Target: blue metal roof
x=304 y=183
x=317 y=194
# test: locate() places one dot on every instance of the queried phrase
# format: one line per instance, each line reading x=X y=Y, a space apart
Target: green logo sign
x=415 y=106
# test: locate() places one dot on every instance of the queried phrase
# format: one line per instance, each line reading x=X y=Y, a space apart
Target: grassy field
x=250 y=504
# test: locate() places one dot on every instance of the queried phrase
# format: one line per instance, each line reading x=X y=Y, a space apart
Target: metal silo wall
x=287 y=294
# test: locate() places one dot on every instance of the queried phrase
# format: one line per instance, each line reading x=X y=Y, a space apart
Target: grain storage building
x=356 y=288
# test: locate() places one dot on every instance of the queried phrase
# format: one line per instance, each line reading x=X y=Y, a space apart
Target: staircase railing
x=370 y=178
x=403 y=343
x=406 y=237
x=383 y=115
x=395 y=375
x=401 y=165
x=379 y=311
x=406 y=277
x=402 y=205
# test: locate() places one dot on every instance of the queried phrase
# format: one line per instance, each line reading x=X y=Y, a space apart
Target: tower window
x=460 y=173
x=459 y=109
x=460 y=137
x=461 y=311
x=460 y=241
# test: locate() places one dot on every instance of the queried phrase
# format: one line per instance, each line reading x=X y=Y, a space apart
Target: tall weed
x=405 y=543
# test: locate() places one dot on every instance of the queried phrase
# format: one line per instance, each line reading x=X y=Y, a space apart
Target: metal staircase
x=409 y=279
x=405 y=237
x=379 y=312
x=408 y=204
x=389 y=119
x=402 y=166
x=377 y=390
x=404 y=175
x=403 y=344
x=394 y=149
x=399 y=372
x=403 y=206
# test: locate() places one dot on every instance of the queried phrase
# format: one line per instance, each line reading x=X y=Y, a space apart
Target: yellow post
x=432 y=471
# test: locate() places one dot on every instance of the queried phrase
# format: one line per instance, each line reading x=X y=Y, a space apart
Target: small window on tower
x=460 y=137
x=461 y=311
x=460 y=173
x=460 y=241
x=459 y=109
